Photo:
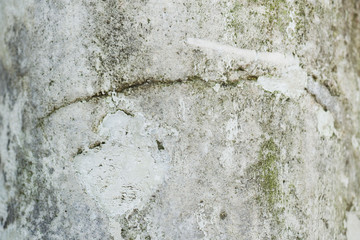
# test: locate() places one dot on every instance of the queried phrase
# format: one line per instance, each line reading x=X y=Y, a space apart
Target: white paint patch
x=355 y=142
x=89 y=89
x=353 y=226
x=182 y=109
x=271 y=58
x=232 y=129
x=216 y=87
x=292 y=80
x=292 y=83
x=325 y=123
x=226 y=159
x=344 y=180
x=123 y=172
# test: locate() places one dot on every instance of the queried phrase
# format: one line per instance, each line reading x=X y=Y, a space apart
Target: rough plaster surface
x=183 y=119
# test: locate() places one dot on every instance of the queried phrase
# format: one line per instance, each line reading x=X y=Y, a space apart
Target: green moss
x=234 y=22
x=275 y=9
x=266 y=172
x=292 y=189
x=275 y=17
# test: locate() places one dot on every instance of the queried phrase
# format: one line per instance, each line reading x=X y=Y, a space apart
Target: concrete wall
x=146 y=119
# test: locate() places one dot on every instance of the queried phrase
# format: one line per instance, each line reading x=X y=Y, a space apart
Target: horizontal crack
x=120 y=89
x=128 y=86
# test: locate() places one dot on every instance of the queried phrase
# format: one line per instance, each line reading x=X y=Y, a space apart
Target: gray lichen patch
x=14 y=69
x=135 y=225
x=115 y=39
x=19 y=45
x=7 y=85
x=35 y=193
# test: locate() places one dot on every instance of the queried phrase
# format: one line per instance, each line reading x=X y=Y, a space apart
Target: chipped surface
x=325 y=123
x=353 y=226
x=122 y=172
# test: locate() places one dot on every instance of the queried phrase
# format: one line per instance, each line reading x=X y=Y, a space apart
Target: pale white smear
x=291 y=83
x=272 y=58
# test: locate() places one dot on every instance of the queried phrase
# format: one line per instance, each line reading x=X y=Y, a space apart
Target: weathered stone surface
x=179 y=119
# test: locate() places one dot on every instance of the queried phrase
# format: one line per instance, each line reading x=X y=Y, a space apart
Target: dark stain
x=4 y=175
x=95 y=144
x=11 y=213
x=240 y=68
x=160 y=146
x=7 y=85
x=223 y=215
x=349 y=206
x=51 y=170
x=326 y=222
x=79 y=151
x=252 y=77
x=27 y=119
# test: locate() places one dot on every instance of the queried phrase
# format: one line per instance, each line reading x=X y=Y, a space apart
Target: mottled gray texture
x=185 y=119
